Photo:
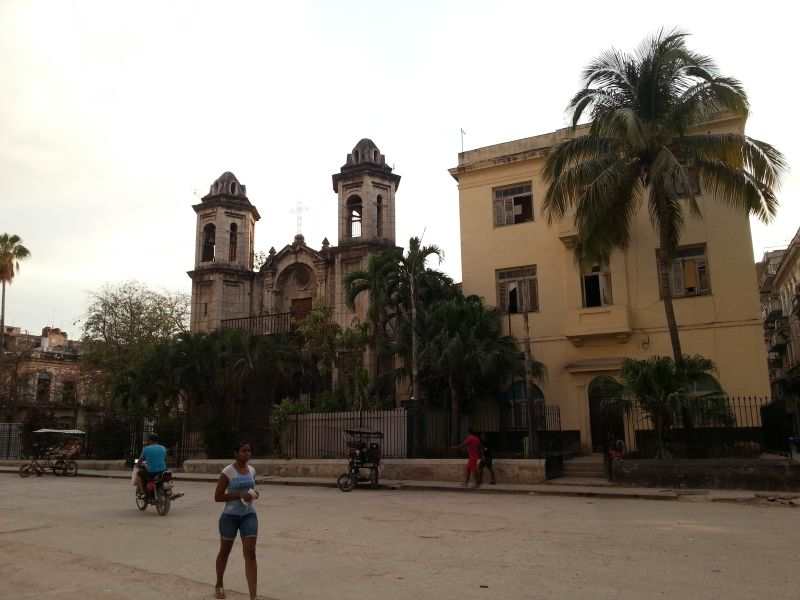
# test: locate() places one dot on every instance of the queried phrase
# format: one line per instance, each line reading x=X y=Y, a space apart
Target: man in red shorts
x=473 y=445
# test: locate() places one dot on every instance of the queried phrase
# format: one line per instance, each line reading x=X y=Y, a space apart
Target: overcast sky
x=116 y=117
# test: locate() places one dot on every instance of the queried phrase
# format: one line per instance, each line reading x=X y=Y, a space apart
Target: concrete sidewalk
x=569 y=489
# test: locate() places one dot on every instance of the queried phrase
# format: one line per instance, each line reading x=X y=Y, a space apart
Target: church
x=227 y=291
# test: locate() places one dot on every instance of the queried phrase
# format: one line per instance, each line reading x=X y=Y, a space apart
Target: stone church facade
x=227 y=292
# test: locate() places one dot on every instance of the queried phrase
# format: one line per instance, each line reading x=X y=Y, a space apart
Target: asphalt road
x=83 y=538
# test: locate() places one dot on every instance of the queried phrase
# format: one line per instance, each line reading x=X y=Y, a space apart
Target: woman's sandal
x=219 y=592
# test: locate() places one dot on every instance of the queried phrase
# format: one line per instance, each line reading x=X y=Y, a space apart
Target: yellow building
x=582 y=323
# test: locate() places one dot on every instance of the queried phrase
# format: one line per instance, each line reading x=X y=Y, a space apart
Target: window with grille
x=513 y=204
x=517 y=290
x=688 y=274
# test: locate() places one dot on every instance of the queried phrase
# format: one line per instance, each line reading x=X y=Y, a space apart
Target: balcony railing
x=271 y=324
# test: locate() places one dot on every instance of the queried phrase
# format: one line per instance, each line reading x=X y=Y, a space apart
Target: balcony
x=604 y=321
x=271 y=324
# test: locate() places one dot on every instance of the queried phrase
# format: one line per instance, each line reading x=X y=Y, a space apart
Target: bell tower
x=366 y=189
x=223 y=274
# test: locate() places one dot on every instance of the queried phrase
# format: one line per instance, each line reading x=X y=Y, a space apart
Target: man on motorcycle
x=154 y=456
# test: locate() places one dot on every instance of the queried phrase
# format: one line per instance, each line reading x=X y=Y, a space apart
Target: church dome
x=227 y=184
x=365 y=151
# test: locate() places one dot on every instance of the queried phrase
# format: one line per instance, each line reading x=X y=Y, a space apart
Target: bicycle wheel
x=345 y=482
x=59 y=467
x=25 y=471
x=71 y=468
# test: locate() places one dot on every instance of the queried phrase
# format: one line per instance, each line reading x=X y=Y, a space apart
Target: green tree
x=643 y=146
x=466 y=350
x=123 y=323
x=662 y=389
x=11 y=253
x=375 y=281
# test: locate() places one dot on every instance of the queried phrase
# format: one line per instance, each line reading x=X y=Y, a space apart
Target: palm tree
x=375 y=281
x=412 y=271
x=11 y=252
x=465 y=348
x=662 y=389
x=643 y=145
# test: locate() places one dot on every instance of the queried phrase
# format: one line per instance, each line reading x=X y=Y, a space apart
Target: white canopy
x=64 y=431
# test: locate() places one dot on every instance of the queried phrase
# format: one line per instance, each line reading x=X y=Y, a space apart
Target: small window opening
x=375 y=155
x=209 y=241
x=354 y=212
x=355 y=155
x=597 y=287
x=233 y=188
x=205 y=309
x=379 y=216
x=233 y=241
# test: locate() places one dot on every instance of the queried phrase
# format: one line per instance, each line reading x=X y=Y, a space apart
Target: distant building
x=583 y=321
x=779 y=286
x=43 y=374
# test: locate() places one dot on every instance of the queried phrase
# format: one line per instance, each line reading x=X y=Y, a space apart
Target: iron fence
x=712 y=427
x=270 y=324
x=10 y=441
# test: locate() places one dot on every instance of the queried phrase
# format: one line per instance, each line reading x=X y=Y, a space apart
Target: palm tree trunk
x=3 y=321
x=666 y=293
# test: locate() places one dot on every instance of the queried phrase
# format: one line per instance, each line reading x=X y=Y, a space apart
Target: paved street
x=83 y=538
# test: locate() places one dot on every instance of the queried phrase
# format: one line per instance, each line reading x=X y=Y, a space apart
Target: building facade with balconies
x=582 y=321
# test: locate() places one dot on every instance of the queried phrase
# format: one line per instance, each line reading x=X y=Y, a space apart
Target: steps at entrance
x=585 y=467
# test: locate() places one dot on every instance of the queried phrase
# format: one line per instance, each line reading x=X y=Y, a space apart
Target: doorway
x=606 y=416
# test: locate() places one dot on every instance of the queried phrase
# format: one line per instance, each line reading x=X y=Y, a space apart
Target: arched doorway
x=605 y=414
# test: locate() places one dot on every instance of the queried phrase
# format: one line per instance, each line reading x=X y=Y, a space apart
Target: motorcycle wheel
x=374 y=480
x=25 y=471
x=163 y=502
x=345 y=482
x=71 y=468
x=141 y=502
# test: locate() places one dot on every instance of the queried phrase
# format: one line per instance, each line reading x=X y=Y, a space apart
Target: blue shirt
x=239 y=483
x=155 y=455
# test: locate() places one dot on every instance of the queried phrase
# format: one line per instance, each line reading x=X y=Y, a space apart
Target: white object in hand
x=252 y=494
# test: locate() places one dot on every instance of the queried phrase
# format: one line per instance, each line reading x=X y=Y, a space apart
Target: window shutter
x=533 y=295
x=676 y=283
x=605 y=289
x=499 y=215
x=509 y=210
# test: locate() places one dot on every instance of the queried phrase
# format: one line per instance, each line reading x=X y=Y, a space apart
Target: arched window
x=69 y=393
x=379 y=216
x=375 y=156
x=209 y=241
x=355 y=155
x=354 y=212
x=233 y=187
x=233 y=242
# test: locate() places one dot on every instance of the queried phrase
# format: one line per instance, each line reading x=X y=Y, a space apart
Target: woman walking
x=236 y=488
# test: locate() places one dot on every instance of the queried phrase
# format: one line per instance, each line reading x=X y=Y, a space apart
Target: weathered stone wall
x=507 y=471
x=778 y=475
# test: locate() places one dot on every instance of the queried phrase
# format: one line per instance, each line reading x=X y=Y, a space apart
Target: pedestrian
x=487 y=460
x=473 y=445
x=236 y=488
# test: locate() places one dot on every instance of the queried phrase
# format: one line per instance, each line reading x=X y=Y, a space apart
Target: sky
x=116 y=117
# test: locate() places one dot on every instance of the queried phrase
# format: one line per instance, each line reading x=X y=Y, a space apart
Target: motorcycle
x=158 y=491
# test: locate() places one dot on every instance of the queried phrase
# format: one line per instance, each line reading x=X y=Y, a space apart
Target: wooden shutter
x=676 y=281
x=502 y=297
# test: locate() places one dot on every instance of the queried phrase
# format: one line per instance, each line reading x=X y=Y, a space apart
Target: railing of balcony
x=269 y=324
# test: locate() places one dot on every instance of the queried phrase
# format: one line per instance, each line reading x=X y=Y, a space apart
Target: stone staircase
x=583 y=471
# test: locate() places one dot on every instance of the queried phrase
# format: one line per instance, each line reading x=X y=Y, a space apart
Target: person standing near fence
x=472 y=443
x=487 y=461
x=236 y=488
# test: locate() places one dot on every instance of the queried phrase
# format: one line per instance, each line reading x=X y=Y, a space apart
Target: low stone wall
x=741 y=474
x=91 y=465
x=507 y=471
